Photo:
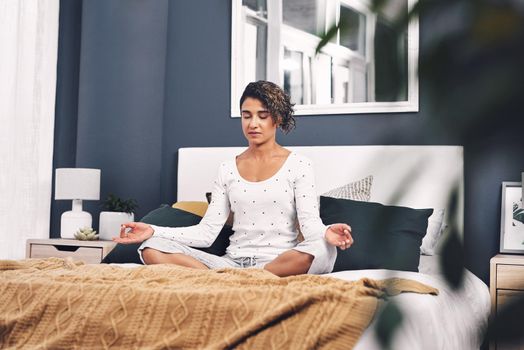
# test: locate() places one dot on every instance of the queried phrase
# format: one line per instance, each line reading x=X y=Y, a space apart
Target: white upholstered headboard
x=414 y=176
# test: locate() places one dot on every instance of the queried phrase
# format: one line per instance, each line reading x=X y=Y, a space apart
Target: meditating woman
x=268 y=188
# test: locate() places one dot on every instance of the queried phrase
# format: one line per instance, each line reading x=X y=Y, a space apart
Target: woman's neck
x=264 y=150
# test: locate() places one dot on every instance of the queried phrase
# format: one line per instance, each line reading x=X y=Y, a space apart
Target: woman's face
x=257 y=124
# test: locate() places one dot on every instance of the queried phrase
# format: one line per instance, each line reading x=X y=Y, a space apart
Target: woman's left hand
x=339 y=235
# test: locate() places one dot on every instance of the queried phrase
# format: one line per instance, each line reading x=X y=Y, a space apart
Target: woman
x=268 y=188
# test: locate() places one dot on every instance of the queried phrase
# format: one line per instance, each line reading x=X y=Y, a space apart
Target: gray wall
x=119 y=53
x=66 y=106
x=153 y=76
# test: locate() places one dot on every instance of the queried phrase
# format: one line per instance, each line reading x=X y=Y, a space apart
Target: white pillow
x=430 y=265
x=436 y=226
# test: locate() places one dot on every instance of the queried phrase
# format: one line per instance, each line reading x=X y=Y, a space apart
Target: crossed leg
x=153 y=256
x=291 y=262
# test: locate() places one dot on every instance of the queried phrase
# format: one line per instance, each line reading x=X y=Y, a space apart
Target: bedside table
x=91 y=252
x=506 y=282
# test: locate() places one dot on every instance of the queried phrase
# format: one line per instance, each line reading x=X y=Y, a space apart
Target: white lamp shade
x=77 y=183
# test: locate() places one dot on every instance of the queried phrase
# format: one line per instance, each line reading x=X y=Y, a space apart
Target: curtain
x=28 y=58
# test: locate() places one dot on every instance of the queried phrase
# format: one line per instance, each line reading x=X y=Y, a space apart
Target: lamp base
x=72 y=221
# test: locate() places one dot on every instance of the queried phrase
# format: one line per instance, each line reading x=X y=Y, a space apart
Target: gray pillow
x=172 y=217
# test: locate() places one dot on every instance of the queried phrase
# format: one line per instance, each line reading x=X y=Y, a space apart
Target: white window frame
x=275 y=47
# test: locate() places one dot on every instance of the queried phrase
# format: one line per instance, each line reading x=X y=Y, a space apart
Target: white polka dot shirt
x=265 y=212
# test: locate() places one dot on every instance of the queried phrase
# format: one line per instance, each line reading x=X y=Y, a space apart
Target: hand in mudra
x=139 y=232
x=339 y=235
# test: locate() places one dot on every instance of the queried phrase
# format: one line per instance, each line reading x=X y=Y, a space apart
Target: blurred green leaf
x=452 y=260
x=471 y=59
x=387 y=323
x=493 y=24
x=452 y=254
x=472 y=62
x=325 y=38
x=376 y=5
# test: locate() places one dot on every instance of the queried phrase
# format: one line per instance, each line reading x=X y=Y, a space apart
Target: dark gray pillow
x=171 y=217
x=386 y=237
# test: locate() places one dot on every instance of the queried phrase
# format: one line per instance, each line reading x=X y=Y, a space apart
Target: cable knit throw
x=58 y=304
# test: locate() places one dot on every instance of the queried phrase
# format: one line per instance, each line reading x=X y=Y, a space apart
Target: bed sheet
x=451 y=320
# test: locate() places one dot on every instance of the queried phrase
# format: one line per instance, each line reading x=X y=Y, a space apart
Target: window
x=365 y=68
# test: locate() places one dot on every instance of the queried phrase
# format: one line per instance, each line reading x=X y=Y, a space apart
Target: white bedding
x=451 y=320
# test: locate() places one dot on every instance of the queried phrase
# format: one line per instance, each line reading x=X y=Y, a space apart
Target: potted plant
x=116 y=211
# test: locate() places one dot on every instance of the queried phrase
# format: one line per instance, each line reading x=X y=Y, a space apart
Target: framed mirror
x=365 y=68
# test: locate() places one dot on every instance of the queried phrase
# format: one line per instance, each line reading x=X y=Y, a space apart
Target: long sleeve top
x=265 y=212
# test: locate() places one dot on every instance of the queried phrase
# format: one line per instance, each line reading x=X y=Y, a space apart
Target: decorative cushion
x=357 y=190
x=436 y=226
x=386 y=237
x=171 y=217
x=195 y=207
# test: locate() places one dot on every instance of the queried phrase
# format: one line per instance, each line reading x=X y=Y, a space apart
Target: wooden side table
x=91 y=252
x=506 y=283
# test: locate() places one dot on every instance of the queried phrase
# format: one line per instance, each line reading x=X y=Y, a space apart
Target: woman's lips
x=254 y=133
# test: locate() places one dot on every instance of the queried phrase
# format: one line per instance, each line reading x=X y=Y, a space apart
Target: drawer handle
x=66 y=248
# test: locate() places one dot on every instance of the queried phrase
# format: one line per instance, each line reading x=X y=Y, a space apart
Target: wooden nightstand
x=91 y=252
x=506 y=282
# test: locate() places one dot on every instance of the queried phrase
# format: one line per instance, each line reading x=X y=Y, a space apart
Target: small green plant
x=114 y=203
x=86 y=234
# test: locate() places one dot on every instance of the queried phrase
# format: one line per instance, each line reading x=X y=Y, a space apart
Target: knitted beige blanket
x=57 y=304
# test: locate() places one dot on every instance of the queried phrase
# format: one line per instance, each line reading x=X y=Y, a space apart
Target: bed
x=425 y=175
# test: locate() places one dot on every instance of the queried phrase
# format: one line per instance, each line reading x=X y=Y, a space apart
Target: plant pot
x=110 y=222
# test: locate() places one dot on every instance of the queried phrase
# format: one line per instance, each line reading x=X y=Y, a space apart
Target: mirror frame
x=410 y=105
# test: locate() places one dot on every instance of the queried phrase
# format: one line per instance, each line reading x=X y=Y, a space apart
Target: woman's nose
x=253 y=122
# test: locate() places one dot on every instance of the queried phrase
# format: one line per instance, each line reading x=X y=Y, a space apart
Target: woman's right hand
x=139 y=232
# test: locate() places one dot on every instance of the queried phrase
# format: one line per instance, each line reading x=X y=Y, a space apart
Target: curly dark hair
x=277 y=102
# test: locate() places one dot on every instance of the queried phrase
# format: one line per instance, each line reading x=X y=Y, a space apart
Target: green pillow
x=385 y=237
x=171 y=217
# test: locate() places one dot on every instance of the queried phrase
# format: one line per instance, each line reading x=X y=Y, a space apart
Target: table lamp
x=76 y=184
